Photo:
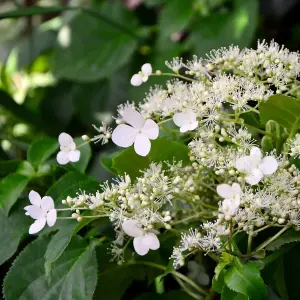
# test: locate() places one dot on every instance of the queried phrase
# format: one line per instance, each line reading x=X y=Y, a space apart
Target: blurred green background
x=66 y=65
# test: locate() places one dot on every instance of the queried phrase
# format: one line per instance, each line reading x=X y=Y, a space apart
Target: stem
x=249 y=243
x=186 y=289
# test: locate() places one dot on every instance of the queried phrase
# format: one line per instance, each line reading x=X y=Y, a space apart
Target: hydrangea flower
x=232 y=197
x=142 y=76
x=255 y=167
x=68 y=150
x=142 y=241
x=139 y=133
x=42 y=210
x=187 y=120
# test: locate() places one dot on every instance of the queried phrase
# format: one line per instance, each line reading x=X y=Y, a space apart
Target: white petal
x=62 y=157
x=193 y=126
x=254 y=177
x=268 y=165
x=145 y=78
x=35 y=212
x=47 y=203
x=256 y=156
x=65 y=139
x=244 y=164
x=185 y=128
x=179 y=119
x=124 y=135
x=133 y=118
x=136 y=80
x=236 y=200
x=51 y=217
x=191 y=115
x=228 y=207
x=151 y=240
x=37 y=226
x=132 y=228
x=74 y=156
x=142 y=145
x=147 y=69
x=35 y=198
x=139 y=245
x=236 y=188
x=225 y=191
x=150 y=129
x=27 y=207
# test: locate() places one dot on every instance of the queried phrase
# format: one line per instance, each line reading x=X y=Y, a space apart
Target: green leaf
x=103 y=51
x=228 y=294
x=40 y=150
x=8 y=166
x=106 y=160
x=282 y=109
x=74 y=274
x=219 y=268
x=85 y=155
x=218 y=282
x=25 y=168
x=161 y=150
x=246 y=279
x=172 y=295
x=11 y=188
x=289 y=236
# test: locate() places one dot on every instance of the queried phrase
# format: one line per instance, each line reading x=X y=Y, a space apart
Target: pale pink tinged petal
x=236 y=188
x=37 y=226
x=147 y=69
x=65 y=139
x=193 y=126
x=225 y=191
x=150 y=129
x=191 y=115
x=62 y=158
x=254 y=177
x=136 y=80
x=124 y=135
x=35 y=198
x=74 y=156
x=139 y=245
x=27 y=207
x=269 y=165
x=133 y=118
x=185 y=128
x=47 y=203
x=145 y=78
x=142 y=145
x=132 y=228
x=244 y=164
x=179 y=119
x=151 y=240
x=35 y=212
x=51 y=217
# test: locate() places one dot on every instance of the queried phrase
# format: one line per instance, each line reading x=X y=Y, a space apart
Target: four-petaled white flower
x=42 y=210
x=68 y=150
x=143 y=241
x=142 y=76
x=140 y=132
x=187 y=120
x=232 y=197
x=255 y=167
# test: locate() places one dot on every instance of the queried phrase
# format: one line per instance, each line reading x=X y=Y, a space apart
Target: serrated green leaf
x=85 y=155
x=74 y=274
x=11 y=187
x=40 y=150
x=219 y=268
x=218 y=283
x=246 y=279
x=228 y=294
x=289 y=236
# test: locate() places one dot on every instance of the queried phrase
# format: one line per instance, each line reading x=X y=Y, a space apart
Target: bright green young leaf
x=11 y=187
x=161 y=150
x=246 y=279
x=289 y=236
x=282 y=109
x=85 y=156
x=218 y=282
x=219 y=268
x=8 y=166
x=41 y=149
x=74 y=274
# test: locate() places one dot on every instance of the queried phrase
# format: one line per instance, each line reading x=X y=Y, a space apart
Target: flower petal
x=35 y=212
x=74 y=156
x=37 y=226
x=140 y=247
x=145 y=78
x=179 y=119
x=147 y=69
x=256 y=156
x=62 y=157
x=142 y=145
x=236 y=188
x=51 y=217
x=124 y=135
x=254 y=177
x=132 y=228
x=244 y=164
x=35 y=198
x=268 y=165
x=136 y=80
x=151 y=240
x=191 y=115
x=133 y=118
x=65 y=139
x=225 y=191
x=193 y=126
x=47 y=203
x=185 y=128
x=150 y=129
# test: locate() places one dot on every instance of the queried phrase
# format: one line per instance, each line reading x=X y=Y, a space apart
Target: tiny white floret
x=232 y=197
x=187 y=120
x=141 y=76
x=68 y=151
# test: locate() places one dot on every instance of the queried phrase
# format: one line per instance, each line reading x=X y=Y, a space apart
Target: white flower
x=232 y=197
x=139 y=132
x=68 y=150
x=142 y=241
x=187 y=120
x=42 y=210
x=142 y=76
x=255 y=167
